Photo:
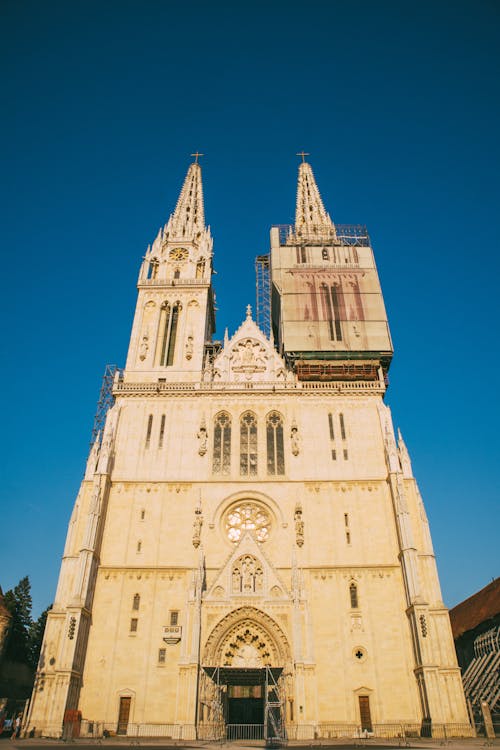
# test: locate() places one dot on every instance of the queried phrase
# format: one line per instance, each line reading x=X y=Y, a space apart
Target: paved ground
x=419 y=744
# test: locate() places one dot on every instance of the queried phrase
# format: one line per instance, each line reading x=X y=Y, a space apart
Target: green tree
x=18 y=601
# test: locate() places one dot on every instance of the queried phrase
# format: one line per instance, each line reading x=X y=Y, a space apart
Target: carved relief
x=248 y=357
x=247 y=576
x=242 y=627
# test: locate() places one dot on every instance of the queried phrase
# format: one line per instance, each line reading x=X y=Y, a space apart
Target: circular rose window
x=247 y=516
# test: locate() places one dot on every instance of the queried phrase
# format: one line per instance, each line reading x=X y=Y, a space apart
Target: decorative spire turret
x=312 y=222
x=188 y=219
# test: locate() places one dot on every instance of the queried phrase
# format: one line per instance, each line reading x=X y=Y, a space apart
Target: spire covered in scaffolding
x=312 y=222
x=188 y=219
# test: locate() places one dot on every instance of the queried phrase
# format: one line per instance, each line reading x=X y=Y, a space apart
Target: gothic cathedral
x=249 y=555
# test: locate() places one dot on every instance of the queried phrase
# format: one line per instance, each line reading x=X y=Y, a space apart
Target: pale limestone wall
x=152 y=498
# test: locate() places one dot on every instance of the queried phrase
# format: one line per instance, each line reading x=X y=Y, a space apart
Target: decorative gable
x=247 y=574
x=249 y=356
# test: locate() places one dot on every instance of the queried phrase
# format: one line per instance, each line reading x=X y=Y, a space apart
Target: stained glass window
x=248 y=444
x=222 y=444
x=275 y=449
x=247 y=515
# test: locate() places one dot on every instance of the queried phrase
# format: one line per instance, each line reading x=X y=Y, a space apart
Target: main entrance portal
x=241 y=703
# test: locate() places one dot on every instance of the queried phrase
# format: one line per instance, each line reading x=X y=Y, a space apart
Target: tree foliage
x=25 y=634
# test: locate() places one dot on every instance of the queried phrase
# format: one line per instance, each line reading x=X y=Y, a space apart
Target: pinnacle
x=311 y=219
x=188 y=219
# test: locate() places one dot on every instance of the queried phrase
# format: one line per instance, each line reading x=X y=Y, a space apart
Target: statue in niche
x=259 y=579
x=295 y=439
x=202 y=438
x=197 y=524
x=143 y=348
x=236 y=579
x=299 y=526
x=247 y=576
x=189 y=347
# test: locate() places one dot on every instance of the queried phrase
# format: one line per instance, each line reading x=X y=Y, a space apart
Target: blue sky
x=397 y=102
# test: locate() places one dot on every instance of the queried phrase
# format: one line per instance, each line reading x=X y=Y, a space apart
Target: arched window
x=248 y=444
x=136 y=602
x=275 y=451
x=222 y=443
x=353 y=592
x=153 y=268
x=170 y=318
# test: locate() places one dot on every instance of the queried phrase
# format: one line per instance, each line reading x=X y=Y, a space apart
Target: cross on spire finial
x=196 y=156
x=303 y=154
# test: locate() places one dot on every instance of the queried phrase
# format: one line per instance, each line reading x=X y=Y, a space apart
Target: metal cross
x=196 y=155
x=303 y=154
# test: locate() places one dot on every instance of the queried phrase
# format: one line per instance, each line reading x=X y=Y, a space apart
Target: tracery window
x=247 y=575
x=248 y=444
x=353 y=593
x=247 y=515
x=275 y=450
x=222 y=444
x=170 y=318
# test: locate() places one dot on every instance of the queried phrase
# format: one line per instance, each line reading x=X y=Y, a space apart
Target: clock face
x=178 y=253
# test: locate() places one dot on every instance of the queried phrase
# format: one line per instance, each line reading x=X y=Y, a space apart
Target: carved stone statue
x=197 y=524
x=299 y=526
x=202 y=437
x=295 y=439
x=143 y=348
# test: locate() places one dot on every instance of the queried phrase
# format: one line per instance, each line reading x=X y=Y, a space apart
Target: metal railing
x=125 y=387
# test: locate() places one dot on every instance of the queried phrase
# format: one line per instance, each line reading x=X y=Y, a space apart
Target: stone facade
x=249 y=516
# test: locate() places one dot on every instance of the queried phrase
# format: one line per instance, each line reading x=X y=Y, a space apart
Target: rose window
x=247 y=516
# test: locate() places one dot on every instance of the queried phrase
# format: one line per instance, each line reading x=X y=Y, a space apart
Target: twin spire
x=188 y=220
x=312 y=222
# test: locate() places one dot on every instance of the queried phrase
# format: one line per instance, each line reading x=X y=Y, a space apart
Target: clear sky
x=102 y=103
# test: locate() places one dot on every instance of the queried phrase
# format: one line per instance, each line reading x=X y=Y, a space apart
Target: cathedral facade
x=249 y=554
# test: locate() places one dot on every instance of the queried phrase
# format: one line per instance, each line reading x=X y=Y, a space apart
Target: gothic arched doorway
x=241 y=695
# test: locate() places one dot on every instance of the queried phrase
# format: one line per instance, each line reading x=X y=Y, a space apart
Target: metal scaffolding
x=213 y=695
x=105 y=402
x=263 y=291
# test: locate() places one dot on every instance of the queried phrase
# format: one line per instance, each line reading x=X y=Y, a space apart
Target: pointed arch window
x=353 y=593
x=136 y=602
x=222 y=443
x=170 y=317
x=248 y=444
x=275 y=449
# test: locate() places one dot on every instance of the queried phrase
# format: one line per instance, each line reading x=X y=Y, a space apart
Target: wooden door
x=123 y=715
x=364 y=713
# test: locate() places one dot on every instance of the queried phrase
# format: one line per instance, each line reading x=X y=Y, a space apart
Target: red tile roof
x=481 y=606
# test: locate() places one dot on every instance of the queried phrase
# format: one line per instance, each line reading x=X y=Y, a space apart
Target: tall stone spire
x=188 y=219
x=311 y=219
